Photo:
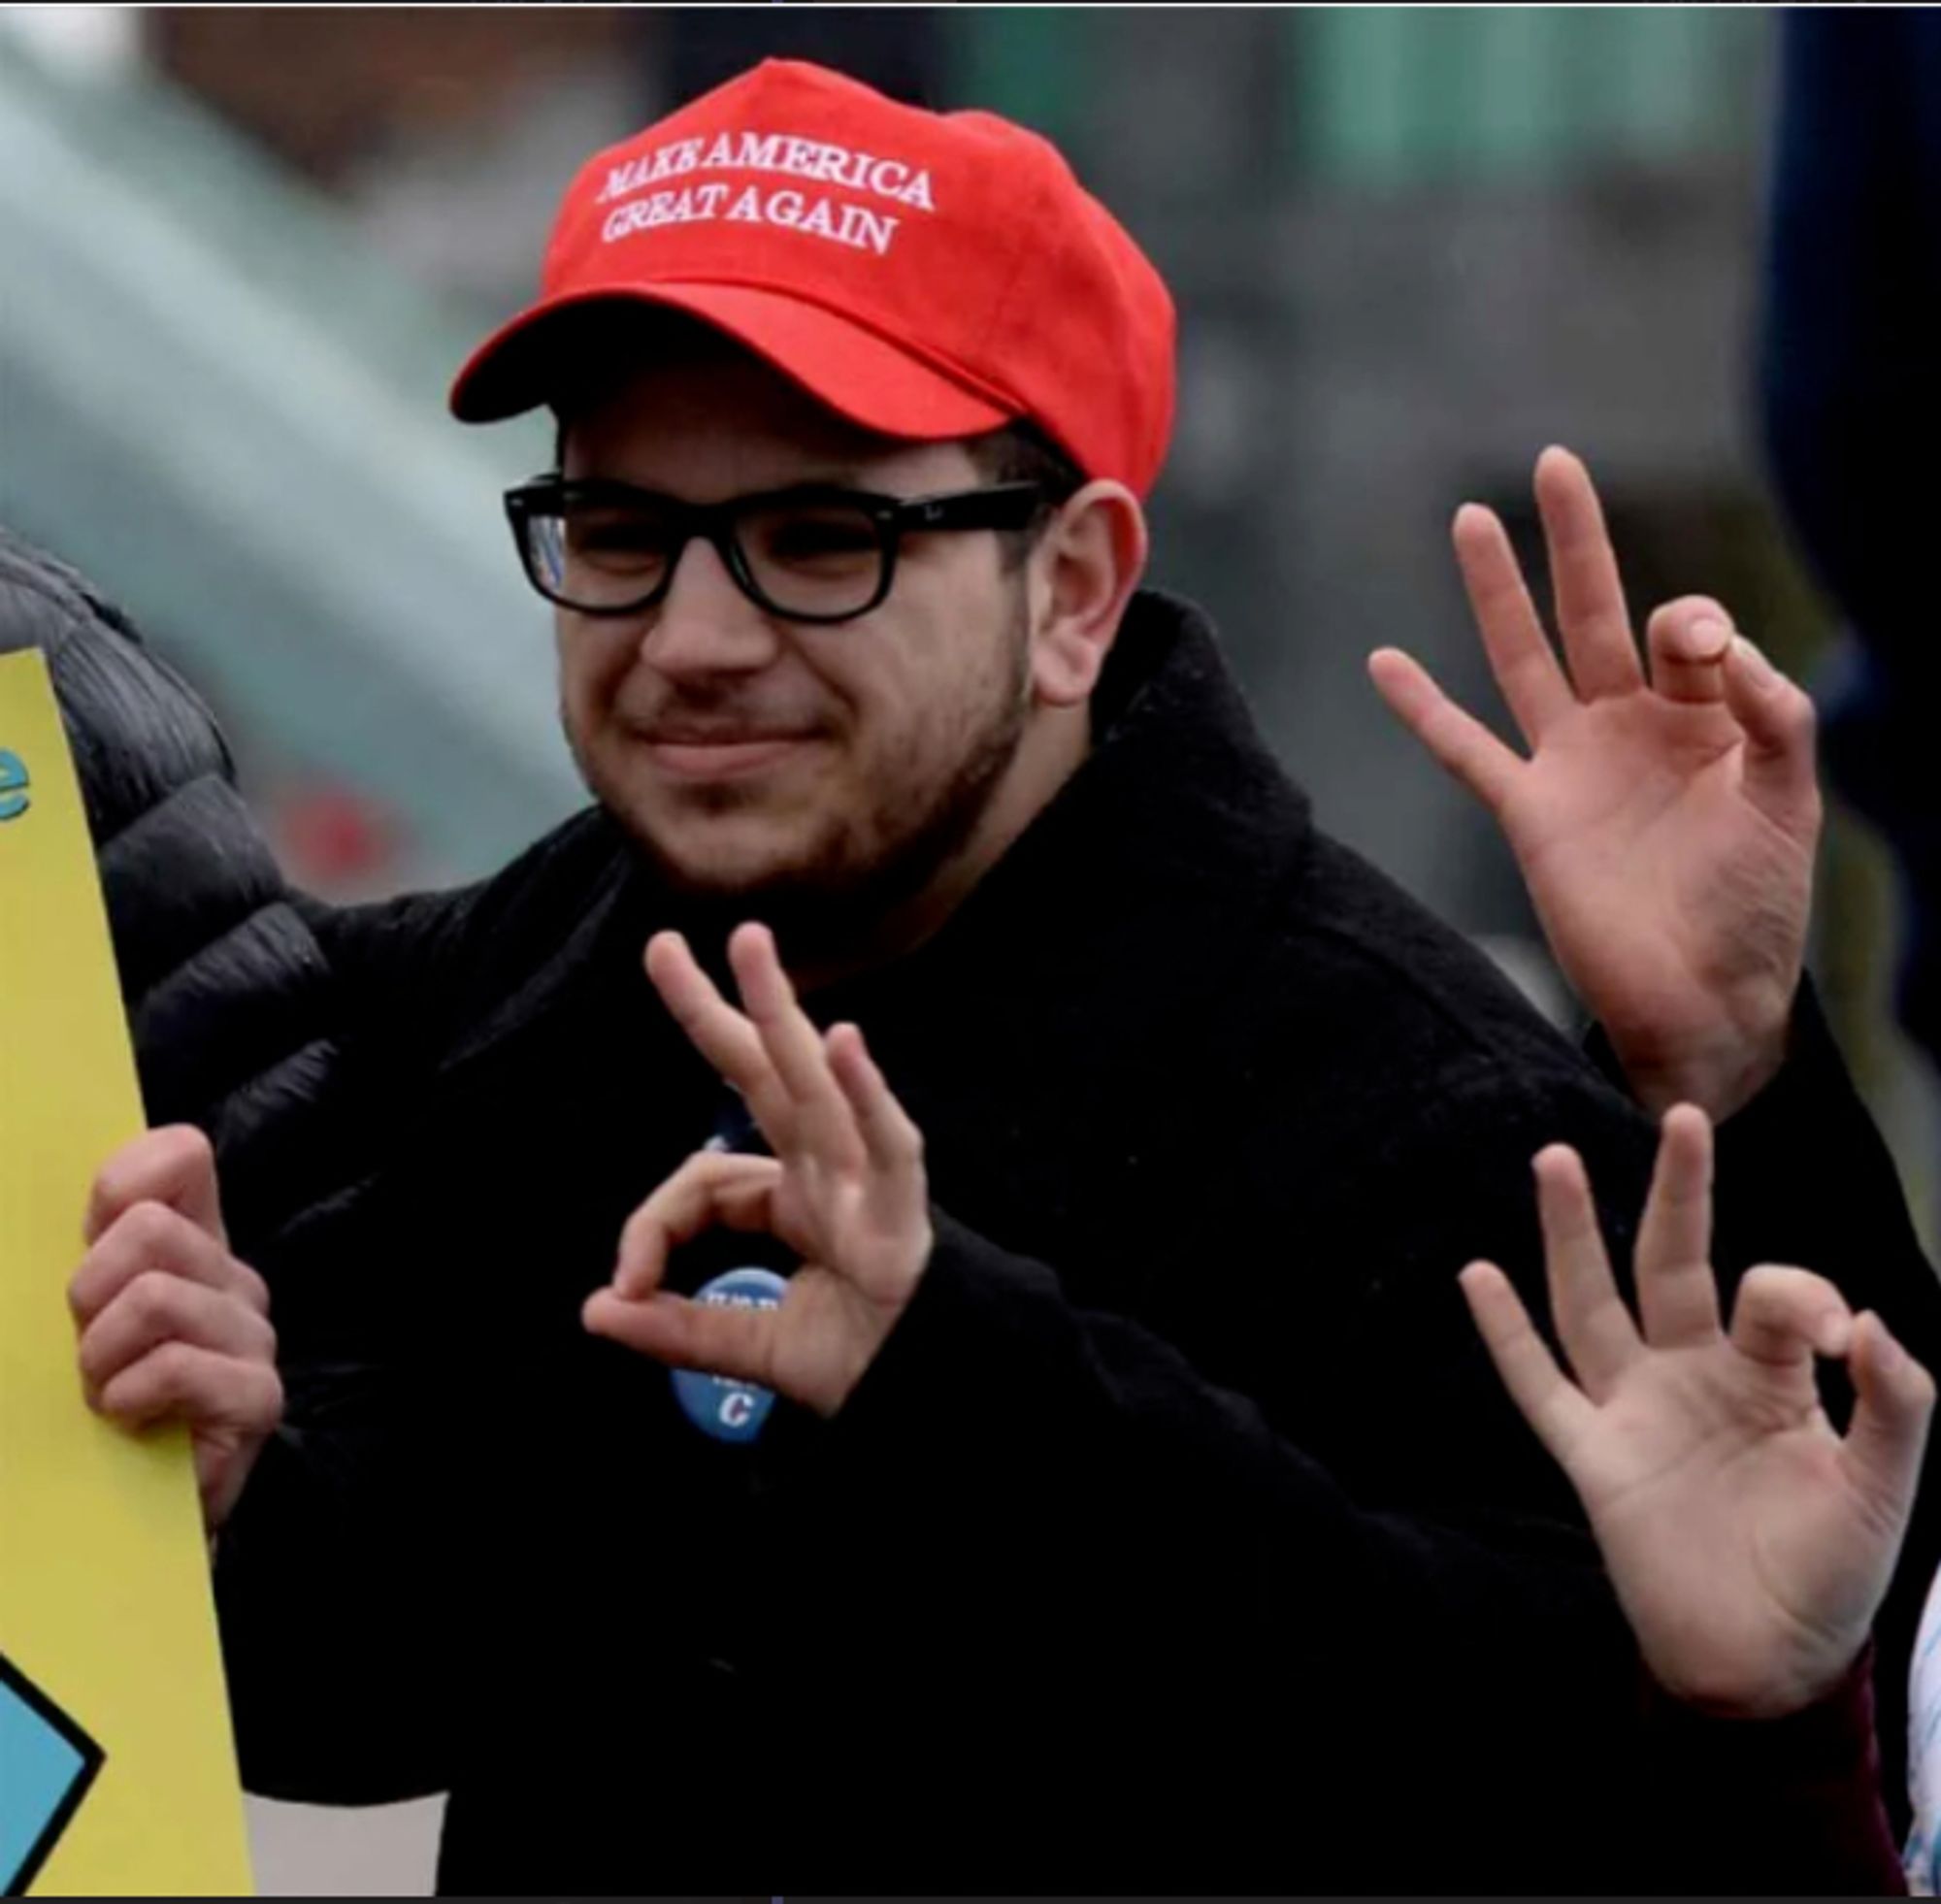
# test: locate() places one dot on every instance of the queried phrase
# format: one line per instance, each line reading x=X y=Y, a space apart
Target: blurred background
x=244 y=250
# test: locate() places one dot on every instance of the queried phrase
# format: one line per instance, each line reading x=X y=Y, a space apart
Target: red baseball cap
x=925 y=274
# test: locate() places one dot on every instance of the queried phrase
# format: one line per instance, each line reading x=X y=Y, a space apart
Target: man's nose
x=705 y=625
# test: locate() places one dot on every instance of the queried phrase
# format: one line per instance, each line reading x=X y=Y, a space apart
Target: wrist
x=1721 y=1076
x=1764 y=1703
x=1822 y=1700
x=881 y=1309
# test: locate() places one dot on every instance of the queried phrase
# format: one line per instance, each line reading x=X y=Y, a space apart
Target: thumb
x=1895 y=1399
x=1778 y=720
x=682 y=1333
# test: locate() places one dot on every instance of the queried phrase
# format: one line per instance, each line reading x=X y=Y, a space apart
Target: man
x=857 y=406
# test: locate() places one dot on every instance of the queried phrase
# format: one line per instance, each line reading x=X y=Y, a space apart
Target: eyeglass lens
x=808 y=558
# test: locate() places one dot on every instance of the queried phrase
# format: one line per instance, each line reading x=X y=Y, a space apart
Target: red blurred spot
x=334 y=835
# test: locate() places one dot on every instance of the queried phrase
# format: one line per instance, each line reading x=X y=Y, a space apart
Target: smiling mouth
x=725 y=758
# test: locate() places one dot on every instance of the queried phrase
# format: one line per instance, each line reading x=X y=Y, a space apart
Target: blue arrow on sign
x=47 y=1763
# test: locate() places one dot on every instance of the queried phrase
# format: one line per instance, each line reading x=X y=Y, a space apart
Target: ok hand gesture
x=845 y=1189
x=1749 y=1544
x=1664 y=822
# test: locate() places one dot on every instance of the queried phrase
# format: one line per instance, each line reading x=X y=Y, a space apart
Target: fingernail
x=1710 y=640
x=1763 y=673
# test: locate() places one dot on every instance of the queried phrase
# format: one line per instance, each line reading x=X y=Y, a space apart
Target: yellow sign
x=117 y=1768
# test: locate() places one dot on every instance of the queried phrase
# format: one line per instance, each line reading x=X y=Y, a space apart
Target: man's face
x=753 y=756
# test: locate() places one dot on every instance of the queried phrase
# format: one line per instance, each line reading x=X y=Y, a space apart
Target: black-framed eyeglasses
x=815 y=552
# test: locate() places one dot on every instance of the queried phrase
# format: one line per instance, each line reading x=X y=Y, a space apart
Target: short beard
x=833 y=906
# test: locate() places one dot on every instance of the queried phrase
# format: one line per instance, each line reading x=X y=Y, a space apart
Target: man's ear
x=1083 y=572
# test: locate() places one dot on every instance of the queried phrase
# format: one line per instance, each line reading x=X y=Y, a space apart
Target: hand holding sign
x=845 y=1189
x=1749 y=1543
x=118 y=1770
x=1665 y=824
x=173 y=1328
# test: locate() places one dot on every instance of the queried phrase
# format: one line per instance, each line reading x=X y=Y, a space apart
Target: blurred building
x=1411 y=247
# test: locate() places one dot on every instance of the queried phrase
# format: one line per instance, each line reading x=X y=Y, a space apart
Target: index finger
x=174 y=1165
x=735 y=1191
x=1687 y=641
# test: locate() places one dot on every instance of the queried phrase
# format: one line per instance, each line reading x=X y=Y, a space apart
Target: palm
x=1711 y=1468
x=1664 y=826
x=847 y=1293
x=1749 y=1543
x=1663 y=888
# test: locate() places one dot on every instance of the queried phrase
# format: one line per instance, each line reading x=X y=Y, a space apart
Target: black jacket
x=227 y=993
x=1048 y=1606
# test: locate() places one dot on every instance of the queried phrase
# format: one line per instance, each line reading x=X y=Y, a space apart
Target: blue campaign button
x=730 y=1410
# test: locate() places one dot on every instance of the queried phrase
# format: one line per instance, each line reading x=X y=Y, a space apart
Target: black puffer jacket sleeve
x=228 y=996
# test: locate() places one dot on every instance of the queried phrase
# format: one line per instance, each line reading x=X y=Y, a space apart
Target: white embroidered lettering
x=824 y=216
x=876 y=229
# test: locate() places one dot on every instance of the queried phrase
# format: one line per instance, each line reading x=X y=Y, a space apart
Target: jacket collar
x=1180 y=820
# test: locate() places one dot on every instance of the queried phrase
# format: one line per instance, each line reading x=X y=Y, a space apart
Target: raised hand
x=845 y=1189
x=1749 y=1543
x=1664 y=823
x=173 y=1328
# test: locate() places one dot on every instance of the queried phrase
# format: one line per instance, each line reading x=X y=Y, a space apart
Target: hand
x=1665 y=827
x=173 y=1328
x=845 y=1189
x=1749 y=1545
